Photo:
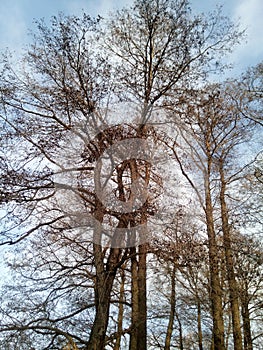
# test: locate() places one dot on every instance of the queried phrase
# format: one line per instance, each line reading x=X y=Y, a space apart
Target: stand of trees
x=131 y=186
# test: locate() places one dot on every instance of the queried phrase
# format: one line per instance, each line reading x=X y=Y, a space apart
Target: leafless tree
x=60 y=116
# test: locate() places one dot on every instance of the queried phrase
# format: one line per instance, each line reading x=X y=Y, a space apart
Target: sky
x=16 y=19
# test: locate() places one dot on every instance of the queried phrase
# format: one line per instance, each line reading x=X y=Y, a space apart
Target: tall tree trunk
x=117 y=345
x=199 y=325
x=169 y=330
x=248 y=345
x=102 y=299
x=228 y=331
x=216 y=292
x=142 y=299
x=233 y=287
x=181 y=343
x=138 y=338
x=135 y=300
x=103 y=288
x=105 y=276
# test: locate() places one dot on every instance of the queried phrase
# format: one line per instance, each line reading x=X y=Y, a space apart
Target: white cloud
x=13 y=25
x=250 y=14
x=94 y=8
x=76 y=7
x=108 y=5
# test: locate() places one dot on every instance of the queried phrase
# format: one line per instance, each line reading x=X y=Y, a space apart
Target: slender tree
x=214 y=137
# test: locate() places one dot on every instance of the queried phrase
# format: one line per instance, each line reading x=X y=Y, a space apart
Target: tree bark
x=138 y=337
x=233 y=288
x=181 y=343
x=103 y=288
x=105 y=276
x=199 y=325
x=216 y=292
x=117 y=345
x=169 y=330
x=142 y=300
x=248 y=345
x=135 y=299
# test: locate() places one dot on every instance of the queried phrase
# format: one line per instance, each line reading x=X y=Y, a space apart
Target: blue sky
x=16 y=17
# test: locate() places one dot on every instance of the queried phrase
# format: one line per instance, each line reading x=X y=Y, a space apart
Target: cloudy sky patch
x=250 y=14
x=13 y=27
x=16 y=18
